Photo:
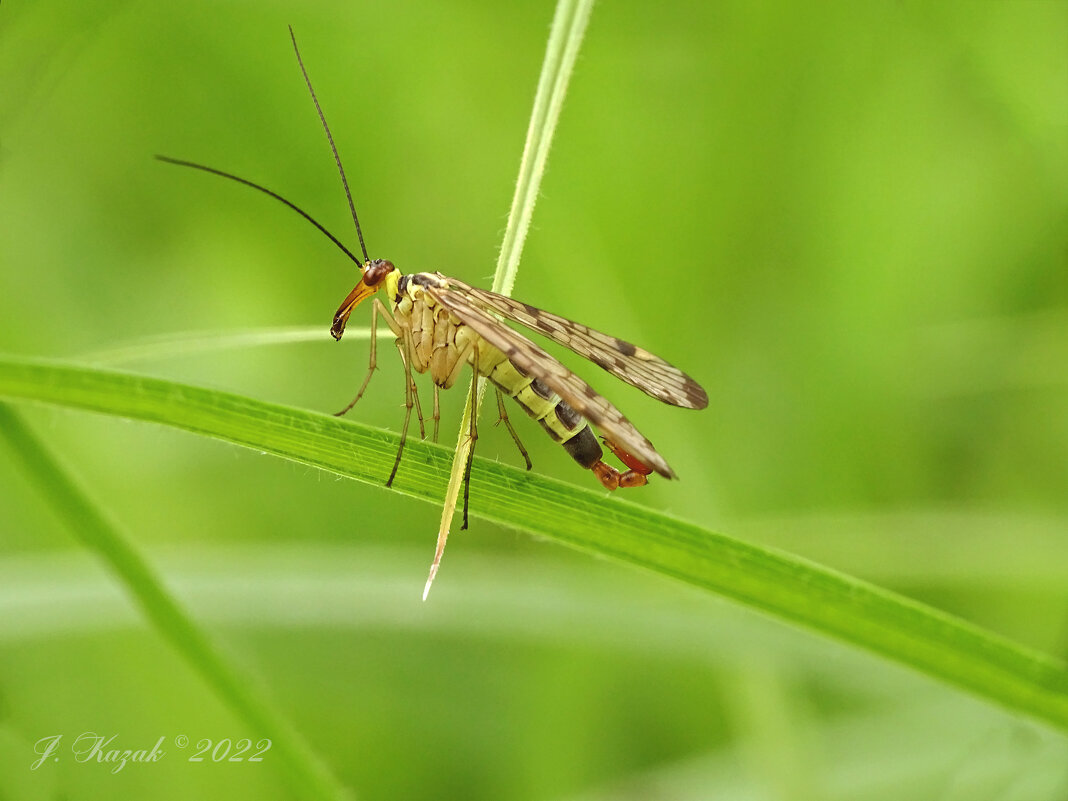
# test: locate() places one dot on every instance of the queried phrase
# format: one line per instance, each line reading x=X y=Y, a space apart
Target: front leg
x=404 y=345
x=372 y=365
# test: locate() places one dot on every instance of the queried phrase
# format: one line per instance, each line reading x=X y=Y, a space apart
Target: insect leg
x=437 y=412
x=503 y=418
x=473 y=434
x=372 y=362
x=404 y=345
x=418 y=407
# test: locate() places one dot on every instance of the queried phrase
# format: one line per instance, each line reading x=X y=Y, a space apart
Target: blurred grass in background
x=849 y=223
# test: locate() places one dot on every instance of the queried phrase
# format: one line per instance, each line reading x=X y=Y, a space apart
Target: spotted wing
x=648 y=372
x=534 y=361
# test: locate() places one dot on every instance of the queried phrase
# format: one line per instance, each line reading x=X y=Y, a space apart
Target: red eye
x=376 y=271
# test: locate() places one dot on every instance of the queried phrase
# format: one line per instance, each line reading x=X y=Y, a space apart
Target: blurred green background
x=848 y=221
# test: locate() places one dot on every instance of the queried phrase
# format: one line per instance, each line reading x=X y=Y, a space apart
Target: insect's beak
x=341 y=317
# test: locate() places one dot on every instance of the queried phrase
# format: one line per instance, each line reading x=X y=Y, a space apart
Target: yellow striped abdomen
x=562 y=423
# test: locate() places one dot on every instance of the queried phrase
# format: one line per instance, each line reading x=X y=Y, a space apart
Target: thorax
x=408 y=296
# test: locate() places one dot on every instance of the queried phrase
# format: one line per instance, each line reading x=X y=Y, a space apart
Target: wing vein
x=536 y=362
x=627 y=362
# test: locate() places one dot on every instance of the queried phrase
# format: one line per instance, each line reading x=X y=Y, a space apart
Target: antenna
x=266 y=191
x=333 y=147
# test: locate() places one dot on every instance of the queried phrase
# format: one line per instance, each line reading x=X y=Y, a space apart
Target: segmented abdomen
x=562 y=423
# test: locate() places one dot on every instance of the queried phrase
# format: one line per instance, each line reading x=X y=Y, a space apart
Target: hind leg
x=503 y=418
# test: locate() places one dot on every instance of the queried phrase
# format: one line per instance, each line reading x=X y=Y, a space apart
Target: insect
x=443 y=325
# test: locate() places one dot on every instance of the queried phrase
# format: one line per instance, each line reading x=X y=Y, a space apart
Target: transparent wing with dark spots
x=534 y=361
x=645 y=370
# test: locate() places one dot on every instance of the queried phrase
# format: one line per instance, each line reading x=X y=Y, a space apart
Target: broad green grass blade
x=307 y=775
x=787 y=587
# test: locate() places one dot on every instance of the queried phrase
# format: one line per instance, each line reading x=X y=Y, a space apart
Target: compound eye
x=376 y=271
